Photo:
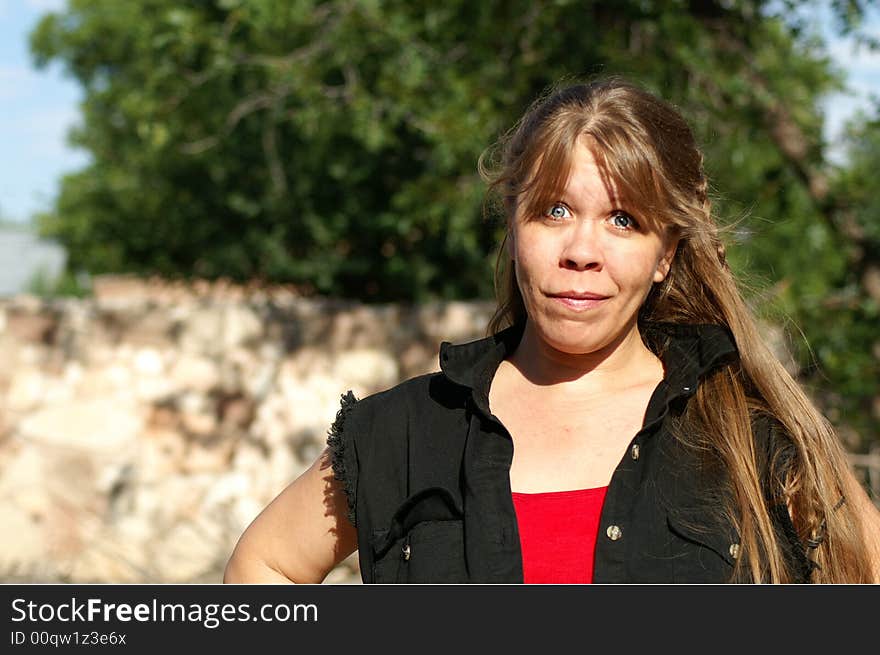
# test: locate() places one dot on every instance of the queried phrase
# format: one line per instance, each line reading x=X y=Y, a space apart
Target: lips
x=578 y=295
x=579 y=300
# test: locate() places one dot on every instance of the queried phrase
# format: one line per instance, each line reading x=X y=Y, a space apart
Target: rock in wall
x=140 y=433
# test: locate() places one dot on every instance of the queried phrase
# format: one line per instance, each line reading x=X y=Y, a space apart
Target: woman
x=623 y=423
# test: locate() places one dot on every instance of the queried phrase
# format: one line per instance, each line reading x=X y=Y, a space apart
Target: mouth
x=579 y=300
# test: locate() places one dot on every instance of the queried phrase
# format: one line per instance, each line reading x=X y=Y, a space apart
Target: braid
x=722 y=254
x=702 y=196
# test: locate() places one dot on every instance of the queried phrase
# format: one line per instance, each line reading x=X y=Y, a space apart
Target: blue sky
x=38 y=107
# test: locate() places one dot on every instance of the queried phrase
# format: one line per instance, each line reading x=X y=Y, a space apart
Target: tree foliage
x=334 y=144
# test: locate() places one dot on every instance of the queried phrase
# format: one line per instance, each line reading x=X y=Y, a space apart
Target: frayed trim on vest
x=337 y=452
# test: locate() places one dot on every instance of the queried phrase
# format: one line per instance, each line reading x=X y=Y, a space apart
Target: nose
x=581 y=249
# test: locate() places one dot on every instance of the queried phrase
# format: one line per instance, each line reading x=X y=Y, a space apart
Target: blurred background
x=217 y=216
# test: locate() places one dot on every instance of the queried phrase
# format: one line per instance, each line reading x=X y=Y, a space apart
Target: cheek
x=637 y=271
x=523 y=273
x=531 y=266
x=525 y=255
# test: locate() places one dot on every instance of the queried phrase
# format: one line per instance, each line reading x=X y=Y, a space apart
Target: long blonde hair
x=647 y=148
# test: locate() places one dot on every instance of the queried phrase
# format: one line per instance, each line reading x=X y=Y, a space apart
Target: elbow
x=235 y=571
x=247 y=568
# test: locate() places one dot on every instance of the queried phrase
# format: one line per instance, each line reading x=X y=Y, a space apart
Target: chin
x=572 y=337
x=581 y=347
x=579 y=335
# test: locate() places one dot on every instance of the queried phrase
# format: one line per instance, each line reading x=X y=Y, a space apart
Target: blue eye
x=623 y=221
x=557 y=212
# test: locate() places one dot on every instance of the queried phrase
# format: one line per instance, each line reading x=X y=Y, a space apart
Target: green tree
x=334 y=144
x=845 y=321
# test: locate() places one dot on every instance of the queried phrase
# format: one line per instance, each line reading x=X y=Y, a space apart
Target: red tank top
x=557 y=532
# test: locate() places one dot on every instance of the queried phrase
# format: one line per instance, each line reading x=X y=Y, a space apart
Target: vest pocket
x=424 y=542
x=432 y=552
x=387 y=560
x=701 y=553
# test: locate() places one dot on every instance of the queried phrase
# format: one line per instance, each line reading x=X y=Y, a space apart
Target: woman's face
x=586 y=265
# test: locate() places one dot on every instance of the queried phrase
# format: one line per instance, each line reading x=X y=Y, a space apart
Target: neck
x=623 y=362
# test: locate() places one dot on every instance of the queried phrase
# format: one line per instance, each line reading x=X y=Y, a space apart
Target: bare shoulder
x=300 y=536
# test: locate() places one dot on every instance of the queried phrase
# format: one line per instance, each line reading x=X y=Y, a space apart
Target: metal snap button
x=614 y=532
x=406 y=552
x=734 y=550
x=635 y=451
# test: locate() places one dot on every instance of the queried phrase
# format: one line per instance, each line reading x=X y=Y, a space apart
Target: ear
x=665 y=262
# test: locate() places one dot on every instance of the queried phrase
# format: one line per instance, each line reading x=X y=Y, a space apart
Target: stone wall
x=143 y=429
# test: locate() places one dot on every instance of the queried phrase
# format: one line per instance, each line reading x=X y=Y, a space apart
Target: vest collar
x=688 y=352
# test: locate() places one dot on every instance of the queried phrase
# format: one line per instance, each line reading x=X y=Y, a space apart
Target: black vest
x=425 y=466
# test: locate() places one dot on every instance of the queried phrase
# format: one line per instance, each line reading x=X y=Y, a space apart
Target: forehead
x=577 y=174
x=588 y=177
x=596 y=170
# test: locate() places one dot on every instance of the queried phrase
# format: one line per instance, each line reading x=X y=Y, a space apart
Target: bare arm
x=300 y=536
